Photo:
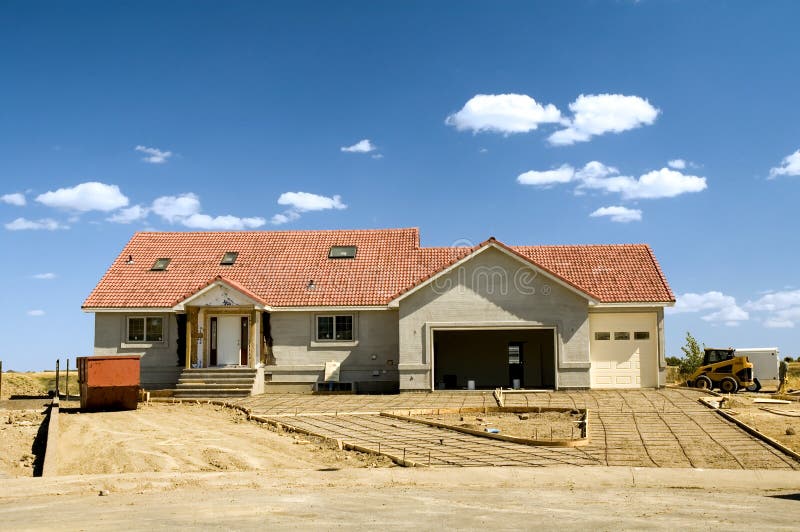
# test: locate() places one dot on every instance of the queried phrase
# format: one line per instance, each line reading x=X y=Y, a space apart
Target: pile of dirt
x=18 y=429
x=36 y=384
x=536 y=426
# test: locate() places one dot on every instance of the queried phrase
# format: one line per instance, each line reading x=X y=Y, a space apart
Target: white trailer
x=766 y=366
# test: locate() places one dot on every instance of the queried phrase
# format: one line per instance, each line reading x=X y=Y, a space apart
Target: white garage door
x=624 y=350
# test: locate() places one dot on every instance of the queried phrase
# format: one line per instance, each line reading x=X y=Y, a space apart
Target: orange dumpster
x=109 y=382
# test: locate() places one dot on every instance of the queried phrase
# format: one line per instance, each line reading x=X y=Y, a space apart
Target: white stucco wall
x=493 y=289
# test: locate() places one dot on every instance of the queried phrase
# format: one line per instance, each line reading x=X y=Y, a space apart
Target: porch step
x=215 y=382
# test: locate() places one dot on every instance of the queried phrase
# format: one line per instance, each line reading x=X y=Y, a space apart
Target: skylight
x=160 y=265
x=229 y=258
x=342 y=252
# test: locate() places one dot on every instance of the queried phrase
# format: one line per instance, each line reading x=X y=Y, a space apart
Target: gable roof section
x=275 y=267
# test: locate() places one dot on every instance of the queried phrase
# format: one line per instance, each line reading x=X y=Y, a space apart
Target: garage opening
x=507 y=358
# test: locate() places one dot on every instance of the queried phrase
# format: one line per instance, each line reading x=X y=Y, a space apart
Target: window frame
x=597 y=335
x=334 y=317
x=144 y=340
x=645 y=336
x=230 y=262
x=155 y=267
x=622 y=336
x=346 y=256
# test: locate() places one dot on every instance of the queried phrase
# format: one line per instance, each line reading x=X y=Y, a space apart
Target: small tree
x=692 y=355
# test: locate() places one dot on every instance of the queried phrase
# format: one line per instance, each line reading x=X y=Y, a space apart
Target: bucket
x=516 y=384
x=470 y=385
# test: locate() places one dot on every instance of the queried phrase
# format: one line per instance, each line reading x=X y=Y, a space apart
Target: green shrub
x=692 y=355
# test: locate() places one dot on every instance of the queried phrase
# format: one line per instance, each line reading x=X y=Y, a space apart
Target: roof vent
x=342 y=252
x=160 y=265
x=229 y=258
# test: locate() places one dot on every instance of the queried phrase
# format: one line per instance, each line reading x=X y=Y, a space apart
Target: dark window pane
x=641 y=335
x=136 y=329
x=229 y=258
x=344 y=327
x=602 y=336
x=160 y=265
x=342 y=252
x=325 y=328
x=622 y=336
x=155 y=330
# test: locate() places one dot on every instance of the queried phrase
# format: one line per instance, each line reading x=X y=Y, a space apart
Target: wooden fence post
x=58 y=362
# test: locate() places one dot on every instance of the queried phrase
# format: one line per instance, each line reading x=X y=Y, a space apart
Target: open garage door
x=623 y=350
x=494 y=358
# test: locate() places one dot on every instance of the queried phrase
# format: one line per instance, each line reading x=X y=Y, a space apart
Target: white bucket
x=516 y=384
x=470 y=385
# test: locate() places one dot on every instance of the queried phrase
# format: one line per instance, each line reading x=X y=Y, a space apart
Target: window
x=641 y=335
x=342 y=252
x=146 y=329
x=160 y=265
x=602 y=336
x=335 y=328
x=229 y=258
x=622 y=336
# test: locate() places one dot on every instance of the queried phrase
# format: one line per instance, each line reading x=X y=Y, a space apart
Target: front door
x=231 y=340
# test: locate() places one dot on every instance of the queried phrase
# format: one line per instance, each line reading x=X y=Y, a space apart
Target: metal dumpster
x=109 y=382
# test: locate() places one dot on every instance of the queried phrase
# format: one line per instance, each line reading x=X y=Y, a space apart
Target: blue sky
x=467 y=107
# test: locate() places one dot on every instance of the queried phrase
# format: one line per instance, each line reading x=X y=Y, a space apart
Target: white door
x=623 y=350
x=229 y=340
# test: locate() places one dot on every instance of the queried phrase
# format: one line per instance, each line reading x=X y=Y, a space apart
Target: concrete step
x=190 y=394
x=215 y=380
x=214 y=386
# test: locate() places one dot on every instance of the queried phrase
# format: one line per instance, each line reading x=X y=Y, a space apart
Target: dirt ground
x=783 y=428
x=544 y=425
x=18 y=429
x=188 y=437
x=470 y=498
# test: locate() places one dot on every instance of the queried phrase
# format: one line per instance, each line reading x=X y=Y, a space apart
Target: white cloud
x=129 y=215
x=305 y=201
x=44 y=276
x=300 y=202
x=677 y=164
x=362 y=146
x=724 y=307
x=153 y=155
x=790 y=165
x=221 y=223
x=664 y=183
x=36 y=312
x=91 y=196
x=596 y=114
x=619 y=214
x=174 y=208
x=783 y=308
x=46 y=224
x=545 y=178
x=503 y=113
x=14 y=199
x=284 y=217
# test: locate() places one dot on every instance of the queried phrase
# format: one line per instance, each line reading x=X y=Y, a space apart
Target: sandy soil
x=188 y=437
x=773 y=425
x=559 y=425
x=18 y=429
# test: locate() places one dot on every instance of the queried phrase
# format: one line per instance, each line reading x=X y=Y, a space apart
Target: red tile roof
x=275 y=267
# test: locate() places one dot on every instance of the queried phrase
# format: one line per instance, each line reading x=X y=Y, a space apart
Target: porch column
x=192 y=334
x=253 y=347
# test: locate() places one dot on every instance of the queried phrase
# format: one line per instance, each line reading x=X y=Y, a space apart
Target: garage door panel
x=623 y=363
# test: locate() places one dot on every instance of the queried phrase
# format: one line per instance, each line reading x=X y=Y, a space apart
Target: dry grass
x=37 y=384
x=793 y=376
